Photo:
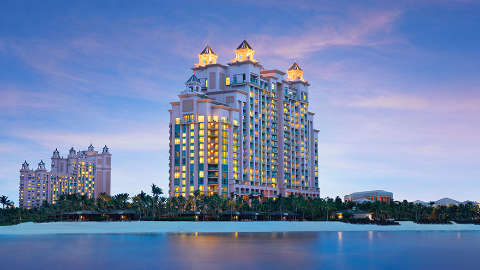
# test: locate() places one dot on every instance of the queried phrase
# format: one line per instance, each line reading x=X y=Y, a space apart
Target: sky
x=395 y=85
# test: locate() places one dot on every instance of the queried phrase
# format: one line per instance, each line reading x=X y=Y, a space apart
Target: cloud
x=14 y=99
x=116 y=63
x=336 y=32
x=395 y=101
x=6 y=148
x=389 y=102
x=135 y=138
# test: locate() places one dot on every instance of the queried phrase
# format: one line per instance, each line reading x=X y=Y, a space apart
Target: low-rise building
x=370 y=196
x=354 y=214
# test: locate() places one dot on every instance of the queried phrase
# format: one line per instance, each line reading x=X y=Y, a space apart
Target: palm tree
x=156 y=191
x=141 y=201
x=120 y=200
x=103 y=201
x=196 y=196
x=4 y=201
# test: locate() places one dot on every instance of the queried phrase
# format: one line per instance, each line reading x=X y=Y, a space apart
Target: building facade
x=239 y=129
x=370 y=196
x=84 y=172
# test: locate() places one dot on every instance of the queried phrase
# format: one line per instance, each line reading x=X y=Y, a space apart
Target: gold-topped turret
x=295 y=73
x=206 y=57
x=244 y=52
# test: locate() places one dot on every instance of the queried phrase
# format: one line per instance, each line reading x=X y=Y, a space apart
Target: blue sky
x=394 y=85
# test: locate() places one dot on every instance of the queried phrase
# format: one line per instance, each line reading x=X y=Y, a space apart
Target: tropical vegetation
x=155 y=206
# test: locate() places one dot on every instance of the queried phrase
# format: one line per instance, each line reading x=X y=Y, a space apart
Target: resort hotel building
x=83 y=172
x=370 y=196
x=239 y=129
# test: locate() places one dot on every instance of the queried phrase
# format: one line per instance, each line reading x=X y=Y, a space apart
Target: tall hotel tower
x=84 y=172
x=239 y=130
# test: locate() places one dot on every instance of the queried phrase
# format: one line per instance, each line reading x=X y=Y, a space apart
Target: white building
x=83 y=172
x=370 y=196
x=240 y=129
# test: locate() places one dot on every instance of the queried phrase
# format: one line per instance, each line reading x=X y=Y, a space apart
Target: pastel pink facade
x=84 y=172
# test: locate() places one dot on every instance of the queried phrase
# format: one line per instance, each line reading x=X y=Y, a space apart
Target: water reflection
x=324 y=250
x=243 y=250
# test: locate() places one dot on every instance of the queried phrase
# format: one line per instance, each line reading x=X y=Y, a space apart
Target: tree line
x=155 y=206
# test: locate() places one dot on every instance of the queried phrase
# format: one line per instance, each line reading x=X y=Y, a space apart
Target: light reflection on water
x=320 y=250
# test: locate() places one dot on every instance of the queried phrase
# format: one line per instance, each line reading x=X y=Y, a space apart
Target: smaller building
x=370 y=196
x=86 y=172
x=354 y=214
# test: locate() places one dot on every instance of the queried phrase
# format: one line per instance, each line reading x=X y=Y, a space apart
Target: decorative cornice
x=226 y=108
x=297 y=81
x=207 y=66
x=228 y=91
x=188 y=95
x=272 y=71
x=245 y=62
x=207 y=100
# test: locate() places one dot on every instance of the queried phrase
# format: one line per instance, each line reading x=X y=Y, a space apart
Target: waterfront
x=30 y=228
x=305 y=250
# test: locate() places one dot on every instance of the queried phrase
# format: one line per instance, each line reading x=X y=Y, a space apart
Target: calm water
x=323 y=250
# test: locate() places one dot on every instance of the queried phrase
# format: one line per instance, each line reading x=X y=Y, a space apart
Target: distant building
x=370 y=196
x=354 y=214
x=83 y=172
x=239 y=129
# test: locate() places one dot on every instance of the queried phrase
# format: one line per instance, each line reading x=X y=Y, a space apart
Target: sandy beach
x=214 y=227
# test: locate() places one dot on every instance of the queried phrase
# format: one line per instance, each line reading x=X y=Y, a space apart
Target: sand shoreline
x=215 y=227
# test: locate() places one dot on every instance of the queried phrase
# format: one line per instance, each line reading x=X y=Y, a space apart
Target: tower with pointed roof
x=56 y=154
x=41 y=166
x=193 y=84
x=72 y=152
x=295 y=73
x=25 y=166
x=56 y=160
x=248 y=131
x=34 y=185
x=244 y=52
x=206 y=57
